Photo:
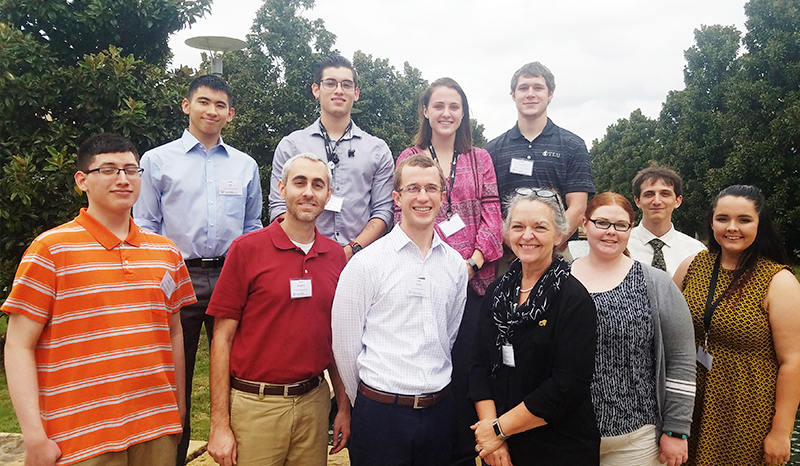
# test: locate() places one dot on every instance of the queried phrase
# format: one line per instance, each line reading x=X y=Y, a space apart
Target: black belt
x=294 y=389
x=206 y=262
x=416 y=402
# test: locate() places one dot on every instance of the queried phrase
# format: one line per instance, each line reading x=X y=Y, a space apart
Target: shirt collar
x=281 y=241
x=668 y=238
x=190 y=142
x=355 y=131
x=399 y=239
x=104 y=236
x=549 y=127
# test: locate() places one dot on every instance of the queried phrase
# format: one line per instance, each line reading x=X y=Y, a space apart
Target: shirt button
x=305 y=271
x=125 y=263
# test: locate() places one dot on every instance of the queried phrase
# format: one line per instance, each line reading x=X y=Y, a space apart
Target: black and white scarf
x=509 y=315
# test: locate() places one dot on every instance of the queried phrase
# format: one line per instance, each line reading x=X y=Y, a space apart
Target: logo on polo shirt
x=549 y=153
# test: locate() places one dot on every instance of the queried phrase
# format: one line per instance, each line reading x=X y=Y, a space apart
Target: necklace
x=529 y=289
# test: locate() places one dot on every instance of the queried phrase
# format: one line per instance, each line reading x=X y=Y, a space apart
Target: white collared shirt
x=677 y=246
x=386 y=331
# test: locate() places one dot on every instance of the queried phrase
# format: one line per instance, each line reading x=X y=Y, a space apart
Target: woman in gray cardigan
x=644 y=382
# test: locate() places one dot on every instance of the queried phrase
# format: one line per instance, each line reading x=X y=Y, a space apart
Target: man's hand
x=41 y=452
x=341 y=425
x=222 y=446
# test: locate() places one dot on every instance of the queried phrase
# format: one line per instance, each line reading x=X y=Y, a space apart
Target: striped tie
x=658 y=255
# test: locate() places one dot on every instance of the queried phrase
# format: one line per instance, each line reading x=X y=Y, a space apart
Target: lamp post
x=216 y=45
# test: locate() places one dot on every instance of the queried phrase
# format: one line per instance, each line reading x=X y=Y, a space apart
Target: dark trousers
x=391 y=435
x=464 y=446
x=192 y=319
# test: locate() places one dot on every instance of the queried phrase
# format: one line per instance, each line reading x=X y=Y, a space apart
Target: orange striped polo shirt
x=104 y=359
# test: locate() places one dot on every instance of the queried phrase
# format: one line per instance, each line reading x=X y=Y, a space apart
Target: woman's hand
x=673 y=451
x=500 y=457
x=487 y=441
x=777 y=448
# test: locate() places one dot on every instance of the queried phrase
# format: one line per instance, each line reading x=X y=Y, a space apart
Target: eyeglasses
x=543 y=193
x=331 y=84
x=114 y=171
x=605 y=224
x=414 y=189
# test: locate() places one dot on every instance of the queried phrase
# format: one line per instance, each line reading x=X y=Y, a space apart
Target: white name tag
x=301 y=288
x=452 y=225
x=230 y=187
x=704 y=358
x=168 y=285
x=420 y=286
x=521 y=167
x=335 y=204
x=508 y=355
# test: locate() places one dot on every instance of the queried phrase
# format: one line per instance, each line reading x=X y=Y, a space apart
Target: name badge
x=335 y=204
x=230 y=187
x=508 y=355
x=704 y=358
x=421 y=287
x=168 y=285
x=521 y=167
x=452 y=225
x=301 y=288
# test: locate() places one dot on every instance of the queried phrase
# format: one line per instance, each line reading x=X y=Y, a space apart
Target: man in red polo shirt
x=272 y=334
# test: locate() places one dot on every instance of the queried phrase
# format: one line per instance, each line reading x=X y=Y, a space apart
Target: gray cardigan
x=674 y=351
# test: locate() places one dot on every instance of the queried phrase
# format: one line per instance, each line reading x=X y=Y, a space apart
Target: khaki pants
x=281 y=431
x=638 y=448
x=156 y=452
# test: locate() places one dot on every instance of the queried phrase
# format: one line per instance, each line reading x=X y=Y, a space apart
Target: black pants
x=391 y=435
x=192 y=319
x=464 y=446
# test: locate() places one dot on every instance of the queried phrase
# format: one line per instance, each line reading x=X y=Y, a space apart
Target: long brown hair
x=463 y=142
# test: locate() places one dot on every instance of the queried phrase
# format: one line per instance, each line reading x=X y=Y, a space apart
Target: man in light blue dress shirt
x=202 y=194
x=395 y=317
x=360 y=210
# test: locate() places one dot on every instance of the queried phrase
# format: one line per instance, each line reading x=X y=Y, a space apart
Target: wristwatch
x=669 y=433
x=473 y=264
x=355 y=246
x=498 y=431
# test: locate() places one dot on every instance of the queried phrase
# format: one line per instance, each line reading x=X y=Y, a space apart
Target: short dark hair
x=333 y=61
x=463 y=142
x=654 y=173
x=211 y=81
x=417 y=160
x=104 y=143
x=767 y=243
x=534 y=69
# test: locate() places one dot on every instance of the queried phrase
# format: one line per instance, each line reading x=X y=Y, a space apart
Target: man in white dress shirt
x=658 y=192
x=395 y=316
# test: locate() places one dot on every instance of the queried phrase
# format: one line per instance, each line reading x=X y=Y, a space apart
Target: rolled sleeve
x=381 y=203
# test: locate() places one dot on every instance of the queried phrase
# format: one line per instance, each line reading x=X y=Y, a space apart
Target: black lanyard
x=331 y=145
x=711 y=303
x=452 y=177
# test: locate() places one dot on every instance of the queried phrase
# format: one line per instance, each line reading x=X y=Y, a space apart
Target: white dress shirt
x=677 y=246
x=396 y=316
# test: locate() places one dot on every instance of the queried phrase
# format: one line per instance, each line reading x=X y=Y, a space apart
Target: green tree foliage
x=48 y=107
x=73 y=29
x=736 y=121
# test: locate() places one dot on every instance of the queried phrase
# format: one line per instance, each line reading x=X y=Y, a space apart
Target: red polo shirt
x=279 y=339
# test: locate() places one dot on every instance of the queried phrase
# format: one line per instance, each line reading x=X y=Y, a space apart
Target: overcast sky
x=609 y=57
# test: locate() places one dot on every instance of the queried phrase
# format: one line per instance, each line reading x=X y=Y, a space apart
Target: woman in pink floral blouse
x=469 y=221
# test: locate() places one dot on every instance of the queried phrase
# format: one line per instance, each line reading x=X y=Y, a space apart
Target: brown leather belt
x=416 y=402
x=206 y=262
x=261 y=389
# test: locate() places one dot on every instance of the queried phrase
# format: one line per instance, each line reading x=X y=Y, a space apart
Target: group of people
x=451 y=325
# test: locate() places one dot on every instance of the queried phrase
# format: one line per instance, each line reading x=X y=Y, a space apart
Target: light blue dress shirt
x=363 y=177
x=201 y=201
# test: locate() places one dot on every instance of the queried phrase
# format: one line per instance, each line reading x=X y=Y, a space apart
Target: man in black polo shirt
x=538 y=154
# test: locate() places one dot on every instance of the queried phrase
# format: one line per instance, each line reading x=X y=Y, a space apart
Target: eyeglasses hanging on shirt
x=453 y=222
x=331 y=145
x=336 y=202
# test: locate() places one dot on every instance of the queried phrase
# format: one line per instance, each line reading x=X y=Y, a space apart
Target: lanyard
x=331 y=145
x=711 y=303
x=452 y=177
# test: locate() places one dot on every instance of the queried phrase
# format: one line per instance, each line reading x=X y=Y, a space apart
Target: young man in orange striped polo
x=94 y=351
